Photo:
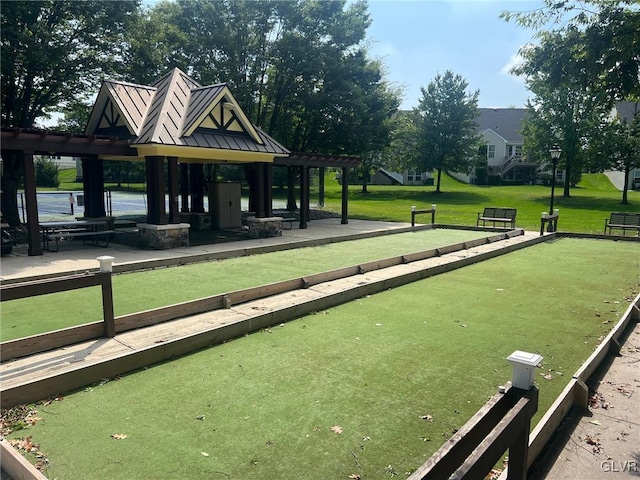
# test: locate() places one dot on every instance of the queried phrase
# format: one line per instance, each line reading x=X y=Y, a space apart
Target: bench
x=497 y=215
x=93 y=237
x=624 y=222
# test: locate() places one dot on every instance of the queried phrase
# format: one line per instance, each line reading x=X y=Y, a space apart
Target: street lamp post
x=555 y=152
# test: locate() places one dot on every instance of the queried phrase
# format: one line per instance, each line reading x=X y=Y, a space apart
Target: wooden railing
x=501 y=424
x=34 y=288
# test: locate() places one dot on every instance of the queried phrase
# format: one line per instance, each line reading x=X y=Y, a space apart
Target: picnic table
x=87 y=230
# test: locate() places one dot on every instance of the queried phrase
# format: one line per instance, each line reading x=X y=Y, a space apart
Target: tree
x=563 y=110
x=448 y=129
x=401 y=152
x=620 y=143
x=606 y=34
x=53 y=51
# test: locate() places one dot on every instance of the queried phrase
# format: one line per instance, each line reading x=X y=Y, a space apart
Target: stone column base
x=264 y=227
x=198 y=221
x=163 y=237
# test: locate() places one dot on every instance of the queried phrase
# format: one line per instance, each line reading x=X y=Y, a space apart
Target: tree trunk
x=364 y=183
x=438 y=181
x=567 y=179
x=625 y=188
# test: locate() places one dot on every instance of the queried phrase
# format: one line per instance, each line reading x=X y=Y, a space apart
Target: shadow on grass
x=421 y=196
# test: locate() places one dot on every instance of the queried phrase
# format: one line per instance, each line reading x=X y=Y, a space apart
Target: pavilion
x=176 y=127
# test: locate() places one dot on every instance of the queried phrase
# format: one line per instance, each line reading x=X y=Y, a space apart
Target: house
x=386 y=177
x=500 y=130
x=626 y=112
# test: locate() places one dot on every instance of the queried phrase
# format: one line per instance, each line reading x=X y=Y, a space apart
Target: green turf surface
x=135 y=292
x=267 y=401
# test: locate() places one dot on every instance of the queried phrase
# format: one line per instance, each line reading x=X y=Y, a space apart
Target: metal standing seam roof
x=169 y=113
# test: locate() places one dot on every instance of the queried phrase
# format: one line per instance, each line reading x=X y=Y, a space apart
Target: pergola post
x=174 y=214
x=345 y=195
x=321 y=186
x=93 y=187
x=304 y=197
x=31 y=199
x=291 y=189
x=156 y=211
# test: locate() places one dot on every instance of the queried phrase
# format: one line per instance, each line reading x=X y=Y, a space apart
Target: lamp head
x=555 y=152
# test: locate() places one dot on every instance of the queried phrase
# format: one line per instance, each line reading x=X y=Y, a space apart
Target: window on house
x=518 y=151
x=418 y=176
x=491 y=151
x=410 y=176
x=559 y=174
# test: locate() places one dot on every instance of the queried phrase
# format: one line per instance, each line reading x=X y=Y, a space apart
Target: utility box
x=224 y=204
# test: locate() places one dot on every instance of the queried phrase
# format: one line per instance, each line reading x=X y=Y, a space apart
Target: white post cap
x=106 y=263
x=524 y=365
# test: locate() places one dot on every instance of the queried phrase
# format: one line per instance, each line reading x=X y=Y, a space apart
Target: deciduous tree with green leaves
x=53 y=51
x=447 y=126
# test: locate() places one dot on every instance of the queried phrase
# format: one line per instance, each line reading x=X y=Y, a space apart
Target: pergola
x=177 y=124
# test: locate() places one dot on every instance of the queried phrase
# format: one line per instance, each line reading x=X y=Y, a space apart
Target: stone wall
x=264 y=227
x=163 y=237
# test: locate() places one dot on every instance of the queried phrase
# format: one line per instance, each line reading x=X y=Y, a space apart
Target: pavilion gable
x=120 y=109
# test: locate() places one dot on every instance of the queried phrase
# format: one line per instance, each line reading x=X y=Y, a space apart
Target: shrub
x=46 y=173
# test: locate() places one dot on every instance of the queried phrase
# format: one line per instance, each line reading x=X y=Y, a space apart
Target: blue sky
x=418 y=39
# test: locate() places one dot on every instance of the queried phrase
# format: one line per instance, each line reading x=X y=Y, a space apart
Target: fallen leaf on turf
x=204 y=454
x=336 y=429
x=427 y=417
x=547 y=376
x=119 y=436
x=354 y=476
x=200 y=417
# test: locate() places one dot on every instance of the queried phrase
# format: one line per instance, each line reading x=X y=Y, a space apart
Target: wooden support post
x=345 y=196
x=321 y=186
x=93 y=187
x=268 y=189
x=196 y=171
x=107 y=306
x=184 y=187
x=35 y=247
x=174 y=214
x=304 y=197
x=156 y=211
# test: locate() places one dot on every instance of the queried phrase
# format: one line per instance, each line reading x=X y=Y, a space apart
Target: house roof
x=505 y=122
x=176 y=116
x=627 y=110
x=393 y=176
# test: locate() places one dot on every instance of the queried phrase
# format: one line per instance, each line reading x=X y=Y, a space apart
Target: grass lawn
x=135 y=292
x=585 y=211
x=590 y=203
x=269 y=405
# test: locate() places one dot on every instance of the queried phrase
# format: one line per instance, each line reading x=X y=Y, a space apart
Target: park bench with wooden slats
x=623 y=221
x=497 y=215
